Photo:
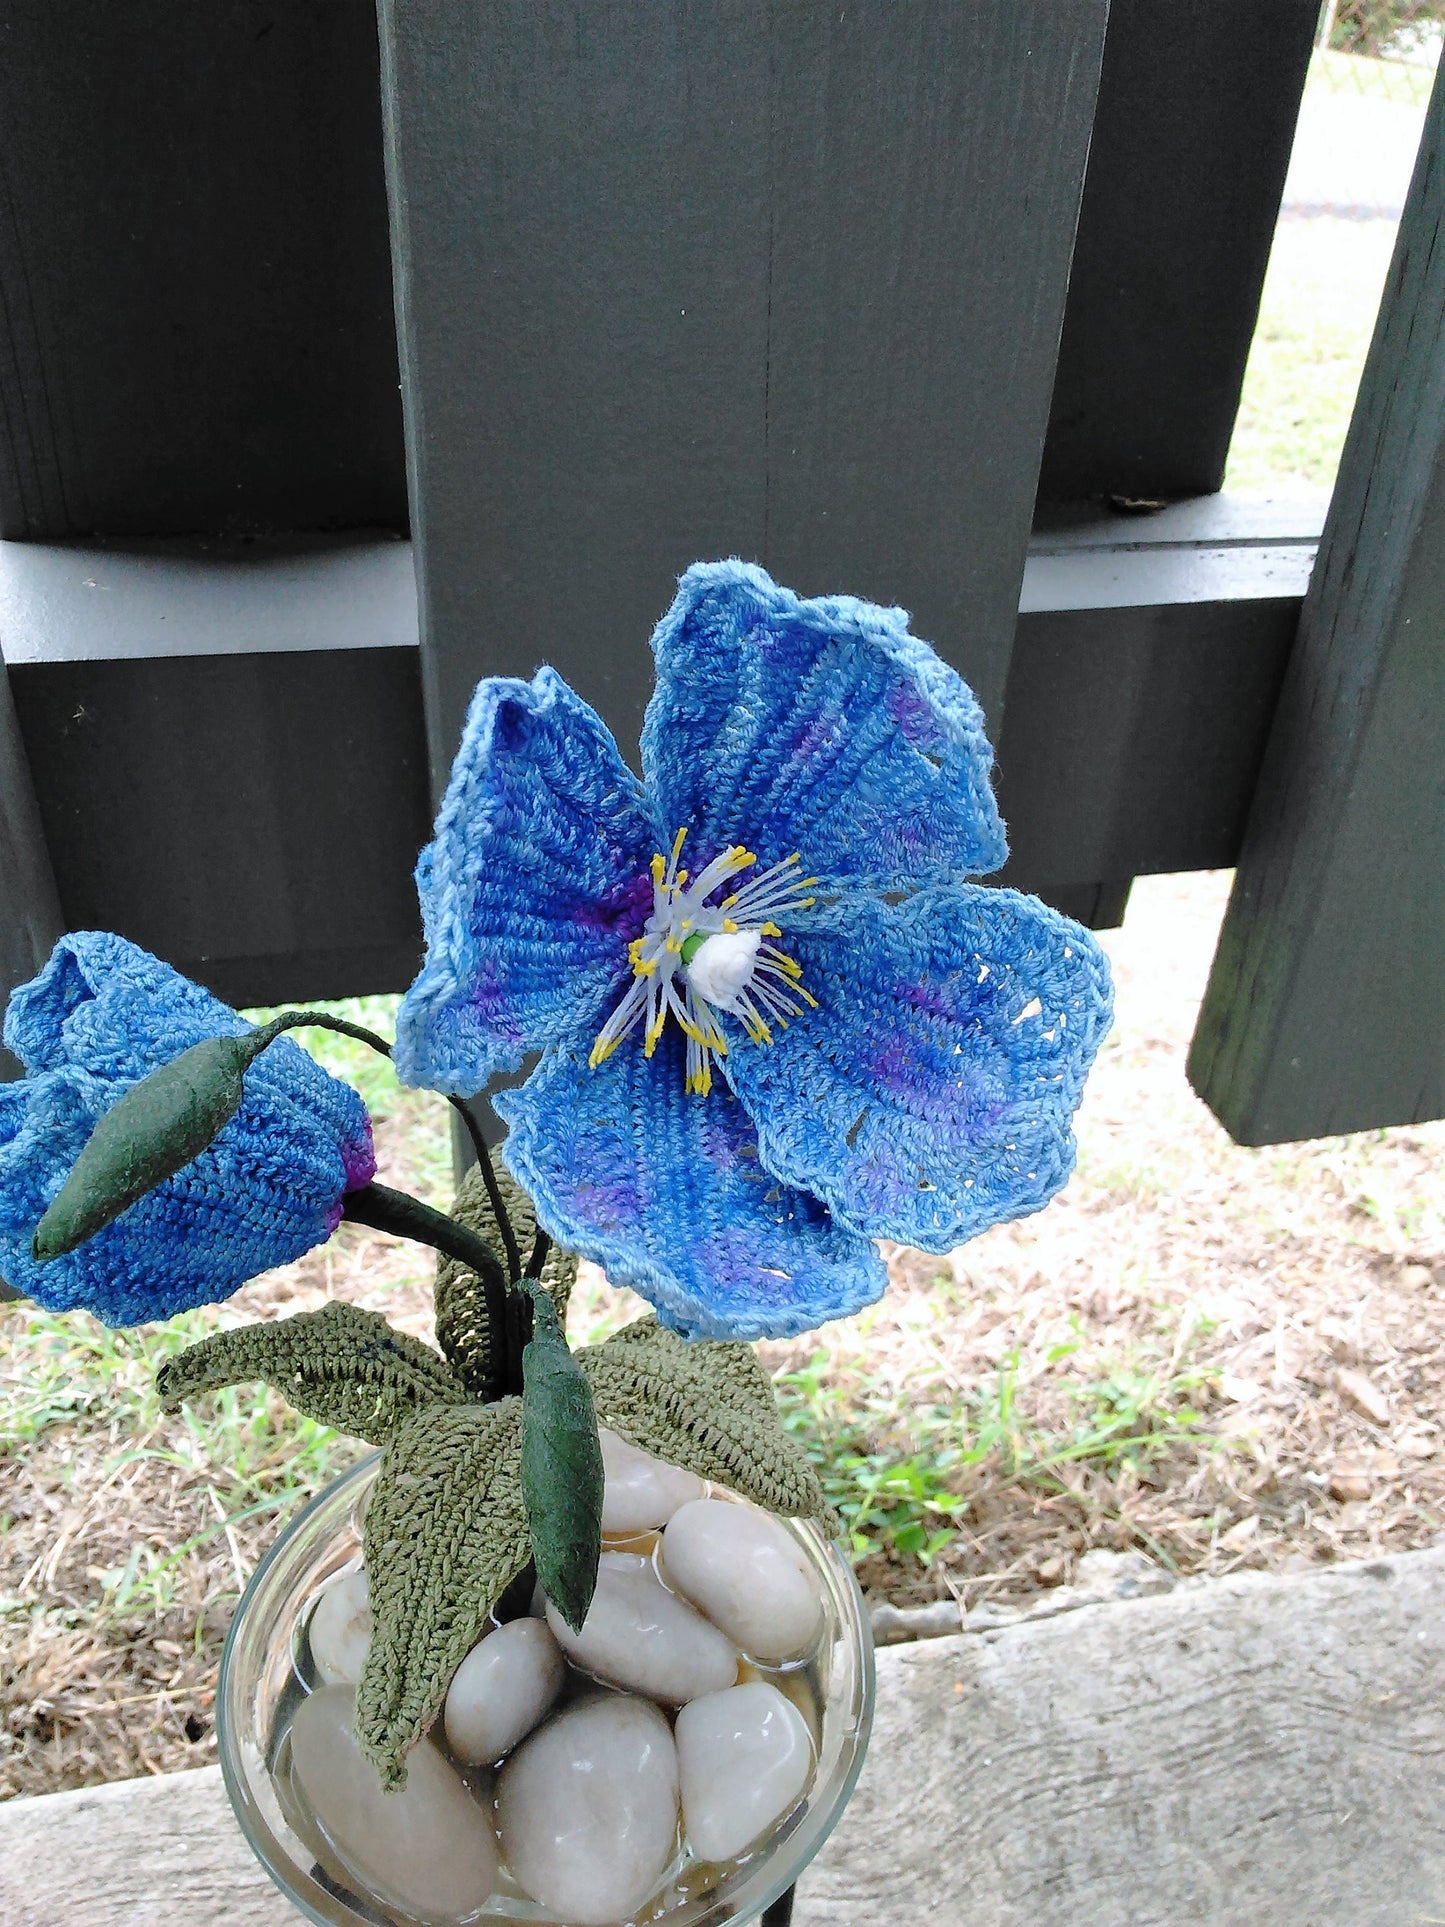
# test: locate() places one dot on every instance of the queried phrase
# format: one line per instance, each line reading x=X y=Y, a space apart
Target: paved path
x=1249 y=1752
x=1353 y=156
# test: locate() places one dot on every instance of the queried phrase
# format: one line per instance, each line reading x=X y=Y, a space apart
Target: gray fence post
x=31 y=919
x=1326 y=1007
x=777 y=280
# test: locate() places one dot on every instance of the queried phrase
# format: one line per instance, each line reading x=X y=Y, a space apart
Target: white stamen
x=723 y=966
x=695 y=958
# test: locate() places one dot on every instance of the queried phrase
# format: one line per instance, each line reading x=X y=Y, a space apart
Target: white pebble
x=501 y=1690
x=744 y=1758
x=340 y=1630
x=639 y=1635
x=428 y=1849
x=588 y=1809
x=748 y=1574
x=638 y=1490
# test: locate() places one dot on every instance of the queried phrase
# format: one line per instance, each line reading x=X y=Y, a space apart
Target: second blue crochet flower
x=776 y=1022
x=100 y=1016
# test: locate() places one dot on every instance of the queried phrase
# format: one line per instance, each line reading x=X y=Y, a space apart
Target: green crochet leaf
x=160 y=1124
x=707 y=1407
x=461 y=1306
x=445 y=1534
x=561 y=1467
x=340 y=1365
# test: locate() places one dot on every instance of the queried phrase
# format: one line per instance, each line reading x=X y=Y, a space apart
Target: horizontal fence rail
x=262 y=719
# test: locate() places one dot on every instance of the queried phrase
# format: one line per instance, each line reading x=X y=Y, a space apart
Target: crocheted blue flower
x=779 y=899
x=101 y=1014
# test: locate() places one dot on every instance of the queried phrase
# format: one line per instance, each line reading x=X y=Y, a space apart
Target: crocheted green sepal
x=708 y=1407
x=461 y=1306
x=341 y=1366
x=561 y=1467
x=445 y=1534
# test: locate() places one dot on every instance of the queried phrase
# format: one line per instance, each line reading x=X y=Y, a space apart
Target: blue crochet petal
x=665 y=1192
x=269 y=1188
x=931 y=1093
x=535 y=885
x=821 y=727
x=103 y=1005
x=111 y=1008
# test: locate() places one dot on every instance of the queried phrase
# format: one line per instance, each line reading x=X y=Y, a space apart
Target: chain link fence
x=1401 y=30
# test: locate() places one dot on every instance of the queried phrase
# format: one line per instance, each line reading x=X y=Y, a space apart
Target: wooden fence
x=915 y=299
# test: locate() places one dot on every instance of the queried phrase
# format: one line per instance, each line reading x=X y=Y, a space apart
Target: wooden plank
x=1325 y=1010
x=1046 y=1774
x=927 y=170
x=195 y=291
x=1236 y=1752
x=1133 y=736
x=580 y=255
x=681 y=281
x=1196 y=114
x=31 y=920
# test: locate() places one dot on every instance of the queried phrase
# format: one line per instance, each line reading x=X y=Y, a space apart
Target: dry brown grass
x=1178 y=1275
x=1303 y=1285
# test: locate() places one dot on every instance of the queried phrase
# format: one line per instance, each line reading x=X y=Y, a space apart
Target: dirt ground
x=1219 y=1357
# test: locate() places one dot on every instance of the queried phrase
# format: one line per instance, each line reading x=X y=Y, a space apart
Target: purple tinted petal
x=931 y=1093
x=534 y=887
x=665 y=1191
x=816 y=726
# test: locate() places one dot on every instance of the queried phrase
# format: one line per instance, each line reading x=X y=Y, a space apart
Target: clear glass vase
x=263 y=1675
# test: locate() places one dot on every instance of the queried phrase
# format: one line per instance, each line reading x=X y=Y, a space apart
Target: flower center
x=698 y=956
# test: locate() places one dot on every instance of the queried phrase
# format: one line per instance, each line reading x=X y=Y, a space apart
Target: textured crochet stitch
x=100 y=1015
x=899 y=1052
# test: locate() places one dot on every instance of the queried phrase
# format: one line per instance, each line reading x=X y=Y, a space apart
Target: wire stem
x=319 y=1020
x=382 y=1209
x=494 y=1191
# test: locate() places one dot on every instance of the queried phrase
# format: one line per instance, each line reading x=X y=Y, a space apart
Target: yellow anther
x=677 y=843
x=659 y=866
x=730 y=927
x=769 y=930
x=645 y=968
x=806 y=996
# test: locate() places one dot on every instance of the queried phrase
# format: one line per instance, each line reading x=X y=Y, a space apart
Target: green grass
x=1316 y=317
x=250 y=1455
x=1321 y=296
x=904 y=1478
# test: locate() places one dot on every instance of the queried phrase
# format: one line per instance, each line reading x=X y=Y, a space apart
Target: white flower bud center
x=723 y=966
